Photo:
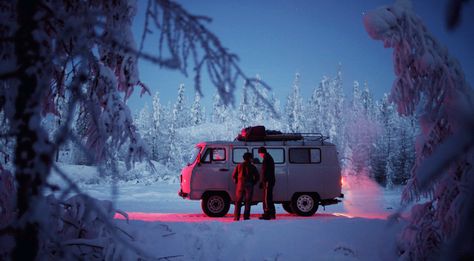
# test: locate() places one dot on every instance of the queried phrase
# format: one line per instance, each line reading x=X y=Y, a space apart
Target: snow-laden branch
x=430 y=84
x=183 y=38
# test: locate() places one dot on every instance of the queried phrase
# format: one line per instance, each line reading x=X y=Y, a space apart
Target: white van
x=307 y=173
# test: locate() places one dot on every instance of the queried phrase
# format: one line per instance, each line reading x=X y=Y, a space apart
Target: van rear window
x=305 y=155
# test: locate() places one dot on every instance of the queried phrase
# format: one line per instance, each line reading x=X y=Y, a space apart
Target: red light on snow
x=200 y=217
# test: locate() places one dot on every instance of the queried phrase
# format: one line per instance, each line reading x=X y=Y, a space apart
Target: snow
x=320 y=237
x=165 y=225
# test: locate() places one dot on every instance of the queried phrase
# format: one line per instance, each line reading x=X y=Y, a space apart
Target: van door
x=280 y=191
x=213 y=172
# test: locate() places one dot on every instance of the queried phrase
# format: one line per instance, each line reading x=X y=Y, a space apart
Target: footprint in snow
x=345 y=251
x=247 y=230
x=203 y=227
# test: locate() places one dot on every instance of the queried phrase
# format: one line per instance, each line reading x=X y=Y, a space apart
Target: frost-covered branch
x=98 y=209
x=83 y=52
x=453 y=13
x=183 y=38
x=431 y=85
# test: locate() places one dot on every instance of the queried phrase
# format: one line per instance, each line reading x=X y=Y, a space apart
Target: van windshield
x=194 y=154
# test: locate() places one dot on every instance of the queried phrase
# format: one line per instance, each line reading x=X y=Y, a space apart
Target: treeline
x=372 y=139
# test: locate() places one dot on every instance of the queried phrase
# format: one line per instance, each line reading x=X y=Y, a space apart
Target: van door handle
x=223 y=169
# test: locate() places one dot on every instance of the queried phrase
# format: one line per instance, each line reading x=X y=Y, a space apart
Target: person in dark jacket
x=268 y=182
x=245 y=176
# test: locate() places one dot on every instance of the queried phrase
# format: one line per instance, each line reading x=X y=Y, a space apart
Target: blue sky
x=278 y=38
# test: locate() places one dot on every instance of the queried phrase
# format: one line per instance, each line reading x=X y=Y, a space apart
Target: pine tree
x=294 y=108
x=271 y=121
x=314 y=109
x=356 y=97
x=145 y=124
x=245 y=108
x=339 y=117
x=260 y=111
x=361 y=132
x=430 y=84
x=221 y=112
x=197 y=114
x=78 y=154
x=325 y=109
x=173 y=153
x=367 y=101
x=182 y=116
x=388 y=142
x=6 y=142
x=407 y=132
x=158 y=119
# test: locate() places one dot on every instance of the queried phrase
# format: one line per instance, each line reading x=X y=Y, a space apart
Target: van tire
x=215 y=204
x=305 y=204
x=287 y=207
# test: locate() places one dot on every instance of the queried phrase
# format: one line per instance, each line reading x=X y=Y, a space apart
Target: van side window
x=214 y=154
x=278 y=154
x=237 y=154
x=305 y=155
x=315 y=155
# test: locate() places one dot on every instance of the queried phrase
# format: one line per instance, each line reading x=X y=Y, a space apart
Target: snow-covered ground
x=168 y=227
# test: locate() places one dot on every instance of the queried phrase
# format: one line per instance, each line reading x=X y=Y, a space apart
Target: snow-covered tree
x=180 y=111
x=158 y=128
x=144 y=123
x=78 y=154
x=431 y=85
x=271 y=121
x=261 y=112
x=361 y=132
x=314 y=109
x=197 y=112
x=294 y=108
x=221 y=112
x=157 y=112
x=173 y=150
x=87 y=48
x=244 y=112
x=367 y=101
x=339 y=117
x=385 y=145
x=6 y=142
x=407 y=131
x=357 y=103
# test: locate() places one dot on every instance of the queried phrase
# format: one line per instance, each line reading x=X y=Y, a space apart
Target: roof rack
x=314 y=136
x=286 y=137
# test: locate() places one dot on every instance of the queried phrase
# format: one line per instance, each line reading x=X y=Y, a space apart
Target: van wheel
x=304 y=204
x=215 y=204
x=287 y=207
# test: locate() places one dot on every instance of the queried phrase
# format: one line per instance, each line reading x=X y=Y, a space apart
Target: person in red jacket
x=245 y=176
x=268 y=182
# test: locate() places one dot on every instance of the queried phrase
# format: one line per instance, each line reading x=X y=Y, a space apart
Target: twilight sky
x=277 y=38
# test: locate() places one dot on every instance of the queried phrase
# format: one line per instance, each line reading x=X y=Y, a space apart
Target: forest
x=372 y=139
x=68 y=69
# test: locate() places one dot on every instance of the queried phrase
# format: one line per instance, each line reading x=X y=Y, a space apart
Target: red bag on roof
x=252 y=133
